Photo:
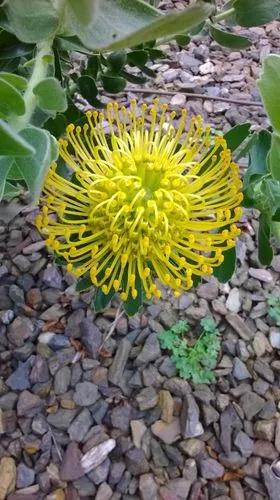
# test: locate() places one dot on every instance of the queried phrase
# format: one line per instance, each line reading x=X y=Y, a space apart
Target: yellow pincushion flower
x=145 y=202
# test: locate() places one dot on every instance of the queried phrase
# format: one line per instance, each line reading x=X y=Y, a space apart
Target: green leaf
x=131 y=306
x=14 y=173
x=11 y=143
x=51 y=96
x=225 y=271
x=265 y=251
x=137 y=57
x=93 y=66
x=229 y=40
x=35 y=167
x=87 y=87
x=5 y=165
x=182 y=40
x=124 y=23
x=11 y=191
x=133 y=78
x=255 y=12
x=116 y=61
x=268 y=85
x=274 y=156
x=258 y=157
x=83 y=284
x=236 y=135
x=100 y=300
x=11 y=101
x=113 y=84
x=56 y=126
x=16 y=81
x=32 y=20
x=11 y=48
x=84 y=10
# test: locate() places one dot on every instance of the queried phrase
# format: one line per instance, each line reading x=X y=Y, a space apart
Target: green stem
x=223 y=15
x=40 y=69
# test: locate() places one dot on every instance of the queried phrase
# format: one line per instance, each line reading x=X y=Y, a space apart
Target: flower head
x=144 y=202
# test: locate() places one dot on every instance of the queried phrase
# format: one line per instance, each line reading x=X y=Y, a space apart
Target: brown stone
x=166 y=404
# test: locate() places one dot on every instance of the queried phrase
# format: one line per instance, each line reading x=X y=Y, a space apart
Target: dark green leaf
x=133 y=78
x=59 y=260
x=93 y=66
x=100 y=300
x=255 y=12
x=230 y=40
x=225 y=271
x=156 y=54
x=258 y=158
x=56 y=126
x=265 y=251
x=11 y=143
x=11 y=101
x=236 y=135
x=87 y=87
x=51 y=96
x=147 y=71
x=11 y=48
x=113 y=84
x=116 y=61
x=276 y=216
x=182 y=40
x=83 y=284
x=137 y=57
x=131 y=306
x=5 y=165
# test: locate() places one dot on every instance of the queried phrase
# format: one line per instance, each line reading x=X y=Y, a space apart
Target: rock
x=54 y=340
x=150 y=351
x=174 y=455
x=244 y=444
x=167 y=368
x=96 y=455
x=29 y=404
x=40 y=370
x=39 y=425
x=239 y=326
x=211 y=469
x=177 y=386
x=180 y=487
x=233 y=302
x=85 y=487
x=271 y=482
x=99 y=474
x=208 y=291
x=265 y=449
x=261 y=274
x=265 y=429
x=19 y=380
x=206 y=68
x=80 y=426
x=210 y=415
x=62 y=380
x=260 y=344
x=136 y=462
x=178 y=100
x=232 y=460
x=71 y=468
x=251 y=404
x=104 y=492
x=116 y=369
x=166 y=404
x=274 y=337
x=8 y=476
x=52 y=277
x=189 y=420
x=20 y=330
x=53 y=313
x=262 y=368
x=91 y=337
x=253 y=467
x=236 y=491
x=138 y=430
x=120 y=417
x=8 y=401
x=147 y=398
x=60 y=359
x=158 y=456
x=192 y=447
x=22 y=263
x=148 y=487
x=277 y=436
x=168 y=433
x=62 y=418
x=85 y=394
x=25 y=476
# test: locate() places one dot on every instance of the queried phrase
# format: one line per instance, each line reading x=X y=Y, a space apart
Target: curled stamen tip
x=70 y=127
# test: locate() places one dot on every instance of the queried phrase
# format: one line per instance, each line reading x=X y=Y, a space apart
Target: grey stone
x=229 y=420
x=233 y=302
x=80 y=426
x=244 y=444
x=174 y=455
x=55 y=341
x=85 y=487
x=29 y=404
x=39 y=425
x=16 y=294
x=62 y=380
x=179 y=487
x=117 y=367
x=274 y=337
x=22 y=263
x=104 y=492
x=177 y=386
x=252 y=404
x=271 y=482
x=19 y=380
x=159 y=457
x=211 y=469
x=20 y=330
x=148 y=487
x=71 y=468
x=265 y=429
x=136 y=462
x=208 y=291
x=53 y=313
x=232 y=460
x=262 y=368
x=100 y=473
x=62 y=418
x=192 y=447
x=237 y=323
x=150 y=352
x=40 y=370
x=147 y=398
x=25 y=476
x=91 y=337
x=8 y=401
x=52 y=277
x=265 y=449
x=116 y=471
x=5 y=301
x=261 y=275
x=85 y=394
x=120 y=417
x=240 y=371
x=60 y=359
x=190 y=423
x=168 y=368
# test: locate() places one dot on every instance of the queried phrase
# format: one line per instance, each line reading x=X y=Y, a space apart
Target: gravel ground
x=122 y=425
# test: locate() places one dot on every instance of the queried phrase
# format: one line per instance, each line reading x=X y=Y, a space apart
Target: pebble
x=238 y=325
x=233 y=302
x=20 y=330
x=8 y=476
x=244 y=444
x=136 y=462
x=138 y=429
x=252 y=404
x=62 y=418
x=52 y=277
x=80 y=426
x=274 y=337
x=150 y=351
x=85 y=394
x=62 y=380
x=40 y=370
x=189 y=419
x=168 y=433
x=19 y=380
x=261 y=275
x=91 y=337
x=166 y=404
x=211 y=469
x=25 y=476
x=71 y=468
x=240 y=370
x=29 y=404
x=54 y=340
x=116 y=369
x=148 y=487
x=265 y=429
x=147 y=398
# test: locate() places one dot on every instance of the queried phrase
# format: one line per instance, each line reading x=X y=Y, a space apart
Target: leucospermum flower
x=145 y=202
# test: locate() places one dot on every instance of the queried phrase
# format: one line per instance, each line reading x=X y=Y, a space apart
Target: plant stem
x=223 y=15
x=40 y=69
